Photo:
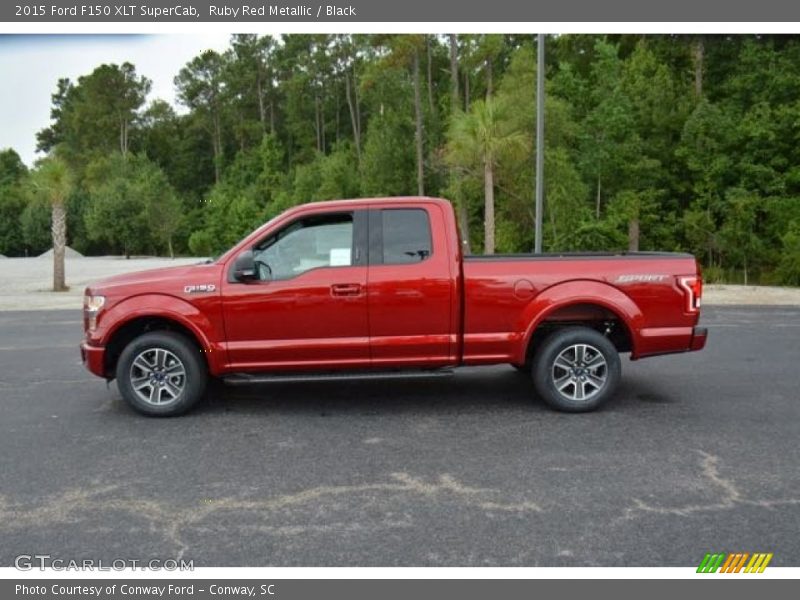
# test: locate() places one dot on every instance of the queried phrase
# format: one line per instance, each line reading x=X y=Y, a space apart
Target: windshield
x=216 y=257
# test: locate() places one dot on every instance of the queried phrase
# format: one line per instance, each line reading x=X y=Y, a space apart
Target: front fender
x=184 y=313
x=578 y=292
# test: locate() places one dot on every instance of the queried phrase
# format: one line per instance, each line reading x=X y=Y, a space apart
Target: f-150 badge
x=199 y=289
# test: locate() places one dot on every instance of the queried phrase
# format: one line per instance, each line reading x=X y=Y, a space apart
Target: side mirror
x=244 y=268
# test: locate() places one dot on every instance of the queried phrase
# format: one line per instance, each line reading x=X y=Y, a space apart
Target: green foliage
x=12 y=169
x=486 y=134
x=565 y=209
x=565 y=190
x=387 y=164
x=789 y=265
x=637 y=154
x=52 y=181
x=131 y=205
x=12 y=202
x=479 y=142
x=35 y=226
x=741 y=246
x=239 y=203
x=12 y=205
x=96 y=115
x=339 y=175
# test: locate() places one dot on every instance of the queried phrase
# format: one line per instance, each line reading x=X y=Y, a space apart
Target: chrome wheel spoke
x=140 y=382
x=563 y=382
x=596 y=361
x=174 y=369
x=157 y=376
x=563 y=364
x=171 y=389
x=595 y=381
x=580 y=351
x=143 y=364
x=579 y=372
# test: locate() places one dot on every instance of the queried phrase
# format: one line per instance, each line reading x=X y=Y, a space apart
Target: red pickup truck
x=380 y=288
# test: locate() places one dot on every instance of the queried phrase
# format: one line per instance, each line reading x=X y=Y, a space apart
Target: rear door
x=409 y=288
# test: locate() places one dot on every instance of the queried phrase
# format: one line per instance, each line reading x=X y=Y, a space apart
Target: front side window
x=310 y=243
x=406 y=235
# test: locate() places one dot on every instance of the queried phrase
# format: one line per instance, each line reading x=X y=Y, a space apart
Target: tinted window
x=318 y=241
x=406 y=236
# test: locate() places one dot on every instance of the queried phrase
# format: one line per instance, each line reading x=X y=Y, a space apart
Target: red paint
x=438 y=312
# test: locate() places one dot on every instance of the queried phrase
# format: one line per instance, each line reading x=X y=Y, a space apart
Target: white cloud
x=30 y=66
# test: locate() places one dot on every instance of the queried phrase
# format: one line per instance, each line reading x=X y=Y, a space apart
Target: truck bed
x=638 y=292
x=575 y=255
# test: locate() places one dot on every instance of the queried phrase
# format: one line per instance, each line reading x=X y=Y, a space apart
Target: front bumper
x=93 y=358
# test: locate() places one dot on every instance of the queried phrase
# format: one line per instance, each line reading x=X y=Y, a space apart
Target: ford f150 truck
x=380 y=288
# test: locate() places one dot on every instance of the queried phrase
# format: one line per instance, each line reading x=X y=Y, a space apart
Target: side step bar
x=247 y=378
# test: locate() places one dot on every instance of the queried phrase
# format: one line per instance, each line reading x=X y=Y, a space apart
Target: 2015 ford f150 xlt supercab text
x=380 y=288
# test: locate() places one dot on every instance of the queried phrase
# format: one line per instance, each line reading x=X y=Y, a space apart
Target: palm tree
x=52 y=179
x=481 y=139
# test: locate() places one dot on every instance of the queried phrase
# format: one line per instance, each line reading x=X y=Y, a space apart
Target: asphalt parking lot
x=699 y=453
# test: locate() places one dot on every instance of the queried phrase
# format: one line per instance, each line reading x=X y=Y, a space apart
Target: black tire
x=594 y=373
x=180 y=380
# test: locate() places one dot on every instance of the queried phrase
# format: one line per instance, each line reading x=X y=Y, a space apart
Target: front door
x=308 y=307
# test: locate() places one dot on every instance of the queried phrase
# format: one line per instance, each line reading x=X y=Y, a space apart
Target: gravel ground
x=26 y=282
x=751 y=294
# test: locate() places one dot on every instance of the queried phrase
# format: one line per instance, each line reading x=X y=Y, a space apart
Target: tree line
x=656 y=142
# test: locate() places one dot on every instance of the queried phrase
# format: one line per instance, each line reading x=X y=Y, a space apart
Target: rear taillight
x=693 y=288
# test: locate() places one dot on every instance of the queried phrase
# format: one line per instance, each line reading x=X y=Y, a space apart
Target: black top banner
x=385 y=11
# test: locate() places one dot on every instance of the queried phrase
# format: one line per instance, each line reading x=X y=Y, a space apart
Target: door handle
x=346 y=289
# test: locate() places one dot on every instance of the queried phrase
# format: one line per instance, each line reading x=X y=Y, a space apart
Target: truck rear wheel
x=576 y=369
x=161 y=374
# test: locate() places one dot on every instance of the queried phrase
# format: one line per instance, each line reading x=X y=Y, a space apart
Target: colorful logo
x=735 y=562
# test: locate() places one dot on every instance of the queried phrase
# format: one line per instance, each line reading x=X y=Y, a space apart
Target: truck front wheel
x=576 y=369
x=161 y=374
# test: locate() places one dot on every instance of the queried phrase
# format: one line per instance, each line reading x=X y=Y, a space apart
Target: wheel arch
x=140 y=315
x=588 y=303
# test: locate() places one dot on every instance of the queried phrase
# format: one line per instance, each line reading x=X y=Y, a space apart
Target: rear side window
x=406 y=235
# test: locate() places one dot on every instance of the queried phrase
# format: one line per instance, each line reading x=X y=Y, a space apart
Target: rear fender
x=578 y=292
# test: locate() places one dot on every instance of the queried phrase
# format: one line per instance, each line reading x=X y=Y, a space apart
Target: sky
x=31 y=65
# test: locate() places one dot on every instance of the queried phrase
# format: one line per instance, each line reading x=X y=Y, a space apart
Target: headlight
x=93 y=303
x=92 y=306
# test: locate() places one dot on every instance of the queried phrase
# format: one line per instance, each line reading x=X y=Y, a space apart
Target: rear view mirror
x=244 y=268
